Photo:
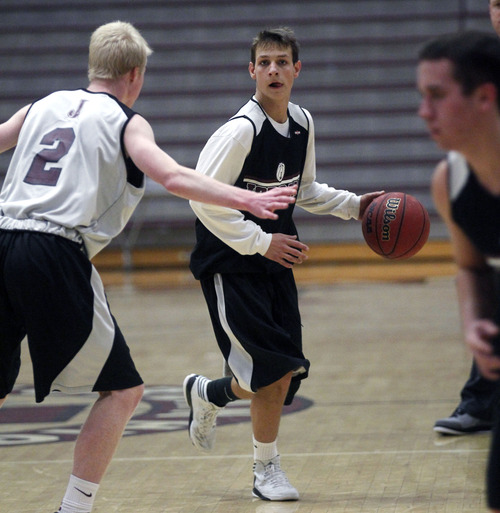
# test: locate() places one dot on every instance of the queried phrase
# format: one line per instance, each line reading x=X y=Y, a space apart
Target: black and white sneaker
x=270 y=482
x=203 y=414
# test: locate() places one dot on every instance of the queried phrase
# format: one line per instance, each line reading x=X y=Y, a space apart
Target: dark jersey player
x=245 y=265
x=459 y=79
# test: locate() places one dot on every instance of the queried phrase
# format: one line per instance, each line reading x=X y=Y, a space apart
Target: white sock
x=264 y=451
x=202 y=388
x=79 y=497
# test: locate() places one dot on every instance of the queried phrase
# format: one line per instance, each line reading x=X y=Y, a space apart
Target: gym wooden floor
x=387 y=360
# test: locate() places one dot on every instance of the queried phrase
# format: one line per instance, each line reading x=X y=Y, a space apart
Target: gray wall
x=358 y=81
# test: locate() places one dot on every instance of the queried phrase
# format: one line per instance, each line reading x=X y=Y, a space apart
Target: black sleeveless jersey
x=473 y=208
x=273 y=161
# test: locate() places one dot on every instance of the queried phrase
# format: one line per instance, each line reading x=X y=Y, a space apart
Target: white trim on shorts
x=81 y=374
x=240 y=361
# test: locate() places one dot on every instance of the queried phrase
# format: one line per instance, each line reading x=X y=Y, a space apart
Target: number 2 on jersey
x=37 y=174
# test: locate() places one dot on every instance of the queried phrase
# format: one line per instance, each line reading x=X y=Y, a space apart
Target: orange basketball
x=396 y=225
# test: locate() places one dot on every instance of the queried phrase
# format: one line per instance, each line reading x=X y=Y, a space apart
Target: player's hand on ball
x=366 y=199
x=395 y=225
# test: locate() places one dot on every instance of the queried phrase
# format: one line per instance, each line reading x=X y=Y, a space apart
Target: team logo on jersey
x=75 y=113
x=280 y=172
x=161 y=410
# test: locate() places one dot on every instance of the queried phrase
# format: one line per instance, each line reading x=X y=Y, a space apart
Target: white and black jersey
x=69 y=174
x=254 y=152
x=474 y=209
x=253 y=300
x=477 y=212
x=69 y=186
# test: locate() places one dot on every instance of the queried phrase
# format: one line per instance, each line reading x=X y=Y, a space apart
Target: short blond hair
x=115 y=49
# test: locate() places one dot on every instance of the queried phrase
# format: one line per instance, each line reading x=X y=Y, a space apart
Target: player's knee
x=128 y=398
x=136 y=394
x=285 y=380
x=280 y=387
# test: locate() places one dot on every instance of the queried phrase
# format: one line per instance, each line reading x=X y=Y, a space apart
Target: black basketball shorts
x=257 y=325
x=51 y=293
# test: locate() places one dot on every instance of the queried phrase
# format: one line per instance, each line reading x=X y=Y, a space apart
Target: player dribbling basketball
x=245 y=266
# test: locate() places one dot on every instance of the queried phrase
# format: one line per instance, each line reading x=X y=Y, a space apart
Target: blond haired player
x=75 y=177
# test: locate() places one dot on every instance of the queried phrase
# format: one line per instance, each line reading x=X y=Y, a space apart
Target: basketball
x=396 y=225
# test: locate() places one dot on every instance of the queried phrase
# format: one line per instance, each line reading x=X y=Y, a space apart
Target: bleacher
x=357 y=79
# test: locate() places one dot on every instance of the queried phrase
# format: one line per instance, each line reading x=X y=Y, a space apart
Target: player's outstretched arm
x=264 y=204
x=188 y=183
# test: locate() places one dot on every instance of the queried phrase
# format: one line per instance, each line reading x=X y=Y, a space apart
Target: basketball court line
x=247 y=456
x=367 y=446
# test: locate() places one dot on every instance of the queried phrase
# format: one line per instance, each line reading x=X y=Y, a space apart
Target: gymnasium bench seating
x=328 y=263
x=357 y=80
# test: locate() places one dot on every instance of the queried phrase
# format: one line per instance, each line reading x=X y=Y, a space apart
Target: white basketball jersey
x=69 y=174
